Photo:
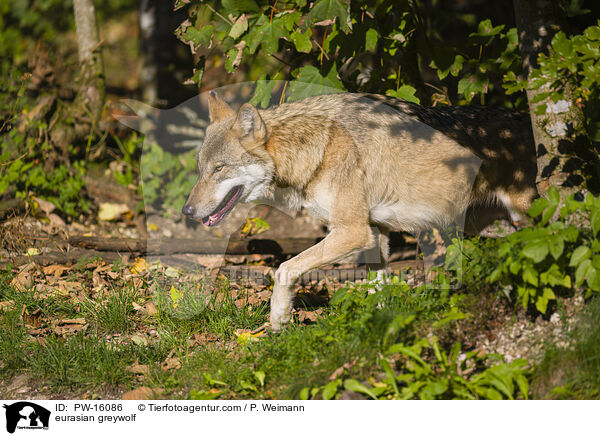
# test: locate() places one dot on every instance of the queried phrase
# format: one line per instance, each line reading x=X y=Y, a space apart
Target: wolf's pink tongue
x=230 y=200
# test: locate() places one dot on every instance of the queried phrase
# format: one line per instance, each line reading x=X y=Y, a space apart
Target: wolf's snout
x=187 y=210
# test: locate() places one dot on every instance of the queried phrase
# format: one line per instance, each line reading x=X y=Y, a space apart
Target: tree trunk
x=91 y=92
x=76 y=121
x=553 y=133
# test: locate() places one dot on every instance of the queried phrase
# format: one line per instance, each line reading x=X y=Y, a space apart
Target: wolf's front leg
x=341 y=242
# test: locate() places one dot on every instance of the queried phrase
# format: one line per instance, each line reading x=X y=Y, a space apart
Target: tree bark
x=75 y=121
x=537 y=23
x=91 y=92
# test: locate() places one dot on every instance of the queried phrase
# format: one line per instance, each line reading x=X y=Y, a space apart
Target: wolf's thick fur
x=356 y=161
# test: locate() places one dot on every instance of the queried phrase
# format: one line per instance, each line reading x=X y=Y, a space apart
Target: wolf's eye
x=218 y=168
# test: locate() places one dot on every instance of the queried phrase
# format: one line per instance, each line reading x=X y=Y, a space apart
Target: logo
x=26 y=415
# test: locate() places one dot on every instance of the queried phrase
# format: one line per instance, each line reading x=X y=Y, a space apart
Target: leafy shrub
x=355 y=46
x=167 y=178
x=416 y=367
x=534 y=262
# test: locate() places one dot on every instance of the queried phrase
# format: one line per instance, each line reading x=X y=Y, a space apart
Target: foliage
x=573 y=371
x=24 y=149
x=423 y=368
x=534 y=262
x=375 y=46
x=571 y=72
x=167 y=177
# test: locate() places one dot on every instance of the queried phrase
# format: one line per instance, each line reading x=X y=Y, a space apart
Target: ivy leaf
x=263 y=91
x=301 y=41
x=405 y=92
x=197 y=37
x=270 y=34
x=310 y=82
x=239 y=27
x=329 y=10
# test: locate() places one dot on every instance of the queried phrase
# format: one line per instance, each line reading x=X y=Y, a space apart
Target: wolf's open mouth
x=224 y=207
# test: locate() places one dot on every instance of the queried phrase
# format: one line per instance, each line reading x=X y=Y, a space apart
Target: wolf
x=359 y=162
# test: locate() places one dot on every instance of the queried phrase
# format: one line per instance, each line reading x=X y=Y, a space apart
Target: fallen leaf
x=140 y=266
x=139 y=340
x=23 y=280
x=69 y=326
x=44 y=206
x=176 y=295
x=150 y=308
x=338 y=372
x=7 y=305
x=136 y=368
x=171 y=363
x=112 y=211
x=172 y=272
x=32 y=251
x=244 y=336
x=55 y=270
x=307 y=315
x=143 y=393
x=152 y=227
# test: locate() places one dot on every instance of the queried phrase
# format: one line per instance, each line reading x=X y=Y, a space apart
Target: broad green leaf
x=405 y=92
x=580 y=254
x=530 y=275
x=553 y=195
x=582 y=271
x=301 y=42
x=557 y=246
x=310 y=82
x=371 y=38
x=538 y=206
x=330 y=389
x=329 y=10
x=536 y=251
x=355 y=386
x=239 y=27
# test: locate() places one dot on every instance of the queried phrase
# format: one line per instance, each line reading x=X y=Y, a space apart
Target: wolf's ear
x=249 y=123
x=217 y=108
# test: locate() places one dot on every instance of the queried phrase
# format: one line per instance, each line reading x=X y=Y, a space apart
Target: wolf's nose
x=187 y=210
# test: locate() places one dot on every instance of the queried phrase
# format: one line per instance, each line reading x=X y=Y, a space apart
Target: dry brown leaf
x=143 y=393
x=23 y=280
x=150 y=308
x=307 y=315
x=69 y=326
x=7 y=305
x=44 y=206
x=136 y=368
x=338 y=372
x=265 y=295
x=55 y=270
x=171 y=363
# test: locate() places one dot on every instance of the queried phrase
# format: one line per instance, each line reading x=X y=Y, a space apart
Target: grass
x=347 y=348
x=572 y=371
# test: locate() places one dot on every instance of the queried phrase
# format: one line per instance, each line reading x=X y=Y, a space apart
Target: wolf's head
x=233 y=163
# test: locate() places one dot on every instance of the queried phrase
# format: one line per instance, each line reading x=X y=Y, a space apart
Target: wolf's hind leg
x=341 y=242
x=380 y=264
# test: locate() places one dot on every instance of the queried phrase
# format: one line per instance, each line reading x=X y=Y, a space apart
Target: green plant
x=167 y=178
x=376 y=46
x=423 y=369
x=536 y=261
